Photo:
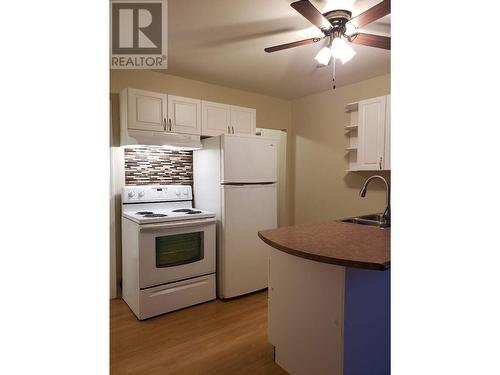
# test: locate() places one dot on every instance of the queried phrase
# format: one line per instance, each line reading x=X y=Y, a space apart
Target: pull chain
x=333 y=65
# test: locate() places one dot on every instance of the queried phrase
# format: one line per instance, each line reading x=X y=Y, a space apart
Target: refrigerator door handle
x=248 y=183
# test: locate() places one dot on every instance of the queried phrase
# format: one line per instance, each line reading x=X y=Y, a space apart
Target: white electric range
x=168 y=250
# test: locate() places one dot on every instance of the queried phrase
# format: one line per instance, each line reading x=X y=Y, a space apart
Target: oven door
x=175 y=251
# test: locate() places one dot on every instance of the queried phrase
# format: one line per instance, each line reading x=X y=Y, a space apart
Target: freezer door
x=243 y=257
x=248 y=159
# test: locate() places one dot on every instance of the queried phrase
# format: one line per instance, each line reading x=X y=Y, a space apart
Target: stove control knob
x=178 y=192
x=131 y=194
x=185 y=192
x=141 y=194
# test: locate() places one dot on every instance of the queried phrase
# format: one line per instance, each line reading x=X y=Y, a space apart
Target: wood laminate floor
x=212 y=338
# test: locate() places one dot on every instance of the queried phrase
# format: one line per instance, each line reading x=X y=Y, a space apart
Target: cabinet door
x=305 y=314
x=387 y=146
x=215 y=119
x=146 y=110
x=243 y=120
x=184 y=115
x=371 y=134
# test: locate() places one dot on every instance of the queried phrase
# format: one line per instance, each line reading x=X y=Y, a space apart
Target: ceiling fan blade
x=371 y=40
x=312 y=14
x=374 y=13
x=292 y=44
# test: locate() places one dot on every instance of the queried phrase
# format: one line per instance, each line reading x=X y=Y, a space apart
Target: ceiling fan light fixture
x=323 y=56
x=341 y=50
x=350 y=29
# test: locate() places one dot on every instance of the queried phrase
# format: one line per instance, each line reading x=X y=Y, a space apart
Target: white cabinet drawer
x=174 y=296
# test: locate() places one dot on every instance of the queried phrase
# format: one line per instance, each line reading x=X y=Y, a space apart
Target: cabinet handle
x=228 y=129
x=165 y=124
x=380 y=163
x=232 y=127
x=169 y=124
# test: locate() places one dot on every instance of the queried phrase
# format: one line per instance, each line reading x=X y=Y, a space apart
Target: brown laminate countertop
x=343 y=244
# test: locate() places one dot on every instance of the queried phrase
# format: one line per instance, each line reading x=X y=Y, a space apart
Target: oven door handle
x=176 y=224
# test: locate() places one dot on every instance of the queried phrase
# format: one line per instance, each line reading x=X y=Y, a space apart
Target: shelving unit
x=352 y=136
x=351 y=107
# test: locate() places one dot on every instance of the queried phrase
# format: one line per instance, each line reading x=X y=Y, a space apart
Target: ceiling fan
x=339 y=26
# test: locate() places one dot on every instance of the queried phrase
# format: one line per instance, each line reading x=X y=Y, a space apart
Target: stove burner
x=154 y=215
x=144 y=213
x=183 y=210
x=193 y=212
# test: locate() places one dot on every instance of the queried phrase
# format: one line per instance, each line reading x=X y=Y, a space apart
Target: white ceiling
x=223 y=41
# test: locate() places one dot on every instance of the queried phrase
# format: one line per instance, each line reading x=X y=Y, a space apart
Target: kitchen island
x=329 y=298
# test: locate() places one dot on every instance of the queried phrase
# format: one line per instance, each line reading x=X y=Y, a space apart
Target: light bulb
x=341 y=50
x=350 y=29
x=324 y=55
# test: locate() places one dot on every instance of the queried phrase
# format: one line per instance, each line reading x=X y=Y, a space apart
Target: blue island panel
x=367 y=322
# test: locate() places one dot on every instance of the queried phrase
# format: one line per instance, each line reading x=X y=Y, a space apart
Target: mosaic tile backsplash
x=156 y=165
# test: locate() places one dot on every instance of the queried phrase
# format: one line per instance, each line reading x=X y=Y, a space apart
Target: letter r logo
x=136 y=28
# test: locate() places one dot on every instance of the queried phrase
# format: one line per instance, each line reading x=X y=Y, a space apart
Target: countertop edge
x=325 y=259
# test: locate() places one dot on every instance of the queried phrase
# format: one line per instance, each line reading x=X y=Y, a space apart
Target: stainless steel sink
x=374 y=220
x=375 y=217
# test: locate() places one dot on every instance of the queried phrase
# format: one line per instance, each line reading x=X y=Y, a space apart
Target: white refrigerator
x=235 y=176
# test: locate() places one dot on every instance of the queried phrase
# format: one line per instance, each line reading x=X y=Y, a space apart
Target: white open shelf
x=352 y=137
x=351 y=107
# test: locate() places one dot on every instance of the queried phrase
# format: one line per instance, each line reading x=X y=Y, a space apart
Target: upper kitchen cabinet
x=143 y=110
x=153 y=111
x=184 y=115
x=369 y=134
x=243 y=120
x=218 y=118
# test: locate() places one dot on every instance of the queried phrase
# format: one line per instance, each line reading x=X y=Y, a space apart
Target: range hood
x=132 y=137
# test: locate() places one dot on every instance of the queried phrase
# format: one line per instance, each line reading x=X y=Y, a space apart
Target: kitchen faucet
x=362 y=193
